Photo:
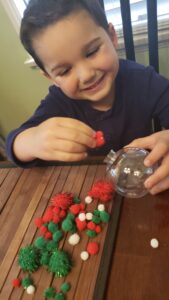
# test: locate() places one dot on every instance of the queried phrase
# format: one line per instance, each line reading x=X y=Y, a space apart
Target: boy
x=71 y=41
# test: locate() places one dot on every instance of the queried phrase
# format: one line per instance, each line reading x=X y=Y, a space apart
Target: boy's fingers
x=145 y=142
x=160 y=174
x=76 y=124
x=156 y=154
x=68 y=157
x=160 y=187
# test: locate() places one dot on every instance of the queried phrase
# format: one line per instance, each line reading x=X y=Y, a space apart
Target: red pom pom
x=100 y=141
x=91 y=225
x=102 y=190
x=98 y=229
x=62 y=200
x=56 y=210
x=93 y=248
x=75 y=209
x=82 y=206
x=48 y=215
x=48 y=235
x=43 y=229
x=62 y=214
x=38 y=222
x=56 y=219
x=16 y=282
x=81 y=225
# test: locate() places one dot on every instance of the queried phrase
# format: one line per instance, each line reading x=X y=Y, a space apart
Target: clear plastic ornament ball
x=127 y=171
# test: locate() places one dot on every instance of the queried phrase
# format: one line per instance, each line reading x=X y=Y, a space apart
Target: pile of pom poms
x=65 y=215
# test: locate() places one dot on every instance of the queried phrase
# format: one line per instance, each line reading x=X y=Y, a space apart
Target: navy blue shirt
x=140 y=95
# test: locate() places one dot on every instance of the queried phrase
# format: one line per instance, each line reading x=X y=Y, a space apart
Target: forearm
x=23 y=145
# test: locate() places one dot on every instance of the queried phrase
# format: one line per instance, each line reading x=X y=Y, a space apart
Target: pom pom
x=48 y=235
x=30 y=290
x=75 y=209
x=91 y=233
x=67 y=225
x=74 y=239
x=27 y=281
x=91 y=225
x=43 y=229
x=62 y=214
x=56 y=219
x=45 y=257
x=84 y=255
x=88 y=200
x=104 y=216
x=40 y=243
x=76 y=200
x=49 y=292
x=81 y=225
x=82 y=217
x=29 y=258
x=48 y=215
x=52 y=245
x=101 y=207
x=89 y=216
x=38 y=222
x=16 y=282
x=57 y=236
x=102 y=190
x=52 y=227
x=60 y=263
x=59 y=296
x=93 y=248
x=98 y=229
x=154 y=243
x=100 y=141
x=96 y=219
x=65 y=287
x=62 y=200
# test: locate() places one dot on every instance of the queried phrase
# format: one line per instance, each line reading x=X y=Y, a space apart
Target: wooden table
x=126 y=267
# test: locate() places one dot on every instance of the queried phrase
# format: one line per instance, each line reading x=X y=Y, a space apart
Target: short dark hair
x=39 y=14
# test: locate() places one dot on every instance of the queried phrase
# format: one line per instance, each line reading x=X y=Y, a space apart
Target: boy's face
x=80 y=57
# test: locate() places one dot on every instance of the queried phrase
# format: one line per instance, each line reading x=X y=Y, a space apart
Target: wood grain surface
x=24 y=195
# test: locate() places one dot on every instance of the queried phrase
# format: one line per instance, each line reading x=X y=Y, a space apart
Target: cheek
x=108 y=61
x=68 y=86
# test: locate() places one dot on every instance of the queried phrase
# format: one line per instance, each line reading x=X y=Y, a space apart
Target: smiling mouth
x=95 y=85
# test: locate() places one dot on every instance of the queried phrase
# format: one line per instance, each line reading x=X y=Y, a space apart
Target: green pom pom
x=49 y=293
x=57 y=236
x=70 y=216
x=91 y=233
x=51 y=245
x=76 y=200
x=60 y=263
x=65 y=287
x=96 y=212
x=67 y=225
x=104 y=216
x=29 y=258
x=59 y=297
x=52 y=227
x=45 y=257
x=27 y=281
x=96 y=219
x=40 y=242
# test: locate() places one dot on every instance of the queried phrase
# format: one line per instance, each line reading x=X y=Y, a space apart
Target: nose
x=85 y=73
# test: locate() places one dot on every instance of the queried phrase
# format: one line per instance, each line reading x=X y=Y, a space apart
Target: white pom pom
x=84 y=255
x=74 y=239
x=30 y=290
x=101 y=207
x=82 y=217
x=88 y=200
x=89 y=216
x=154 y=243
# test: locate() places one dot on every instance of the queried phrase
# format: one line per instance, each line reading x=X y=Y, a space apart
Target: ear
x=113 y=35
x=48 y=77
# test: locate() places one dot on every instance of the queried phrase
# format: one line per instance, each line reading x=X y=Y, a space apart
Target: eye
x=64 y=72
x=93 y=51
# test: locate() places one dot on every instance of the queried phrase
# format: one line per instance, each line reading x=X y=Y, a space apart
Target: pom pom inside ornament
x=127 y=171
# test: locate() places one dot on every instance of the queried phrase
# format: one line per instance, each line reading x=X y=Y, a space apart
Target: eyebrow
x=57 y=66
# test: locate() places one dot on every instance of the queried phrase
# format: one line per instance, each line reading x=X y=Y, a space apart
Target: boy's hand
x=62 y=139
x=158 y=143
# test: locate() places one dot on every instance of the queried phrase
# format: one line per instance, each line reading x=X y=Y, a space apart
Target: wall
x=21 y=88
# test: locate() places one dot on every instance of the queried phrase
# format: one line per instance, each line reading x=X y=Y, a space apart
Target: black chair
x=152 y=37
